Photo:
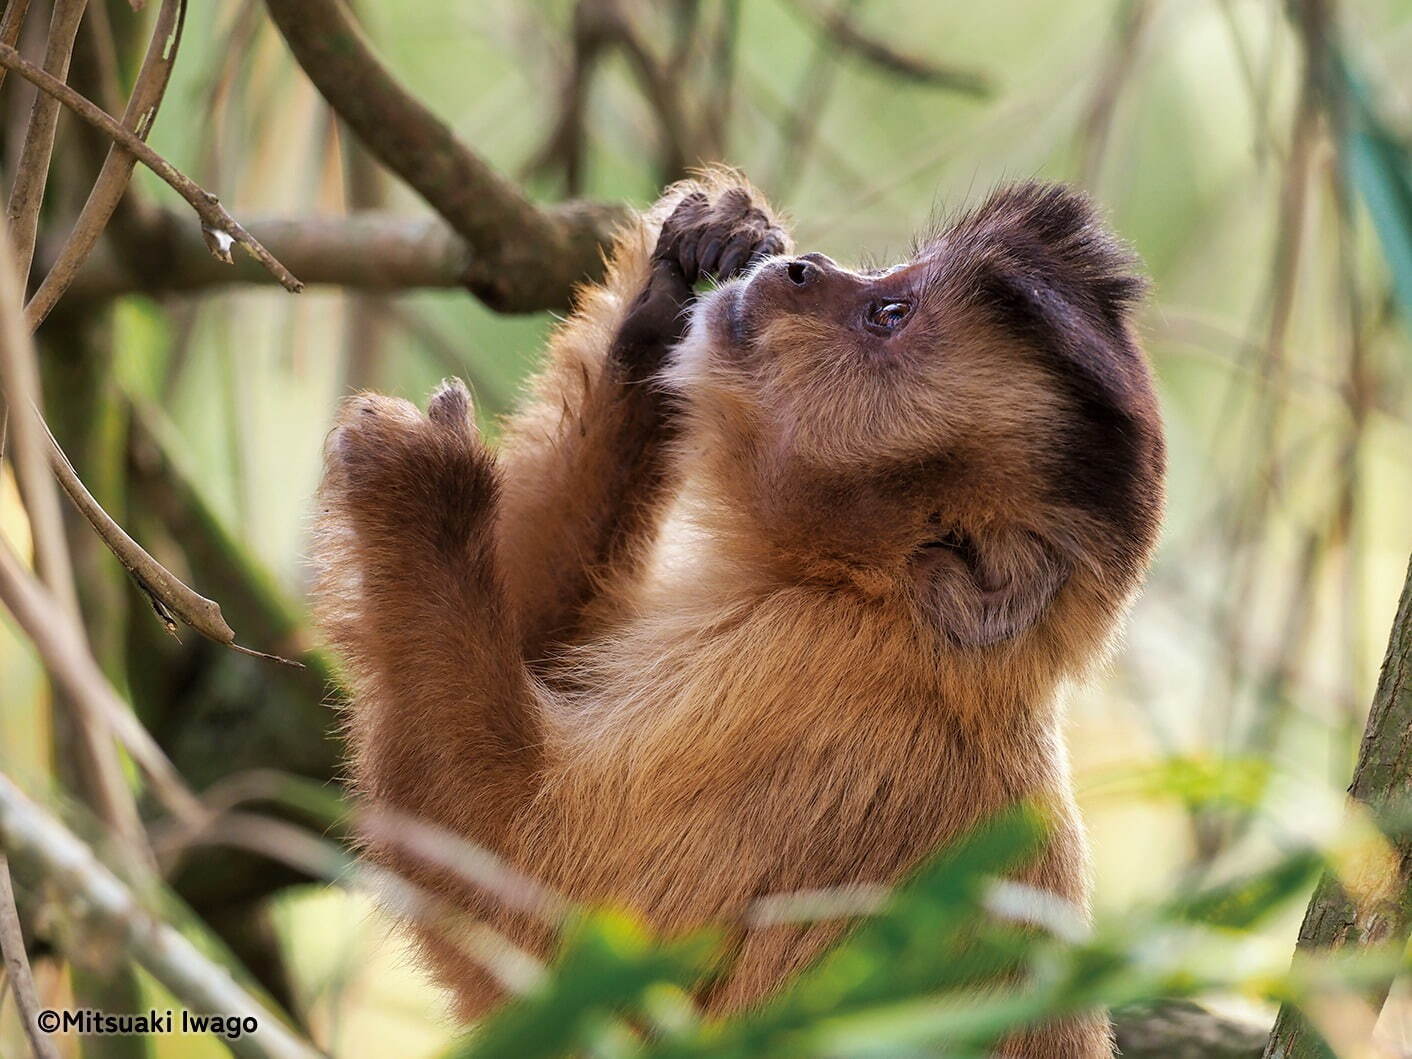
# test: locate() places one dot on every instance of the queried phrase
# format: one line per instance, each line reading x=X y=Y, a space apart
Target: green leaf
x=1243 y=903
x=609 y=962
x=1380 y=167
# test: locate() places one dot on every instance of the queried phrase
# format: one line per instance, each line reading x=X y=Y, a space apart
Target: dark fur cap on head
x=1043 y=264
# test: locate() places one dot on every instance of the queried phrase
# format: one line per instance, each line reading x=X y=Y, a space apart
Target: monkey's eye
x=886 y=317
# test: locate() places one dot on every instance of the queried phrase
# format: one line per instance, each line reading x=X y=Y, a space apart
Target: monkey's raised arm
x=445 y=720
x=587 y=476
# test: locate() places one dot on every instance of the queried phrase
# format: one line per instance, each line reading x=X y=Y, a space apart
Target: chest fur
x=794 y=744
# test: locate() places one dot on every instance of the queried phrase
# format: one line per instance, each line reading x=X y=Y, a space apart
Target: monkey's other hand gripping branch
x=446 y=723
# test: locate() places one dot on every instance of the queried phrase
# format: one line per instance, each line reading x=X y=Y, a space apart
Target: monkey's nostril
x=801 y=273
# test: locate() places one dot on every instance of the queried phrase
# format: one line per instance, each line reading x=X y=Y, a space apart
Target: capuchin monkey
x=770 y=588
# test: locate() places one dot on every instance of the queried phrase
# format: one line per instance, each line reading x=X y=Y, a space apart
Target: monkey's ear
x=984 y=589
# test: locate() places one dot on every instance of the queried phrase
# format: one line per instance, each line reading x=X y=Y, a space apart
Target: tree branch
x=12 y=946
x=32 y=173
x=524 y=257
x=140 y=113
x=221 y=228
x=372 y=251
x=1382 y=782
x=104 y=785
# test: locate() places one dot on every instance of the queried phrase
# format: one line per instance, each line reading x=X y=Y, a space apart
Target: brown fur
x=794 y=627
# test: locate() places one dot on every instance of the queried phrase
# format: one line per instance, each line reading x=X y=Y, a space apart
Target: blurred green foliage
x=909 y=981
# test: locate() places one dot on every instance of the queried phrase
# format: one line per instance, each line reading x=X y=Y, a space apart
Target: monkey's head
x=974 y=429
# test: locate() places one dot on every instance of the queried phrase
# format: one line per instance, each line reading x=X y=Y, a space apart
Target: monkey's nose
x=806 y=270
x=801 y=273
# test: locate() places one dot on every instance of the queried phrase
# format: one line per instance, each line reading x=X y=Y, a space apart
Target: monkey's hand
x=445 y=720
x=401 y=478
x=701 y=239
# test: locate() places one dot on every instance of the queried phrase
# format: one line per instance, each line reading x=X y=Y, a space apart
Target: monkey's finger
x=769 y=246
x=450 y=405
x=742 y=249
x=688 y=211
x=686 y=217
x=708 y=258
x=687 y=256
x=735 y=255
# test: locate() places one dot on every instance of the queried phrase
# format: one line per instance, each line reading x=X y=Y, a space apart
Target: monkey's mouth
x=723 y=313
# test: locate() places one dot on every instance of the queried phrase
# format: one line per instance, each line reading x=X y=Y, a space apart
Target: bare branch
x=1382 y=781
x=370 y=251
x=52 y=622
x=564 y=147
x=513 y=968
x=524 y=257
x=12 y=946
x=27 y=193
x=32 y=836
x=171 y=598
x=1123 y=54
x=141 y=112
x=839 y=25
x=222 y=230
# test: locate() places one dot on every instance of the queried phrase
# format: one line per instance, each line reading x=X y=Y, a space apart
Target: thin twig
x=220 y=228
x=801 y=123
x=715 y=125
x=171 y=598
x=468 y=861
x=565 y=146
x=27 y=193
x=364 y=348
x=141 y=112
x=12 y=945
x=95 y=63
x=31 y=835
x=662 y=92
x=1123 y=55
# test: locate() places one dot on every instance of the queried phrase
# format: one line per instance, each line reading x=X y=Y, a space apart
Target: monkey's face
x=850 y=369
x=975 y=425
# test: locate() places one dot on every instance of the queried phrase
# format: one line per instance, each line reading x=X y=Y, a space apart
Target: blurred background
x=1254 y=153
